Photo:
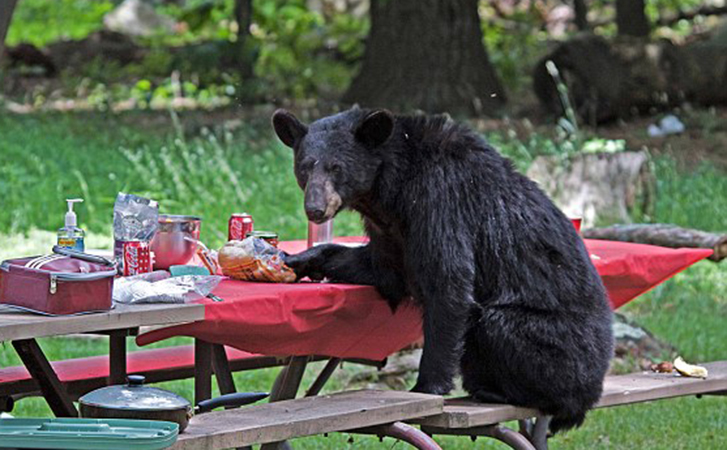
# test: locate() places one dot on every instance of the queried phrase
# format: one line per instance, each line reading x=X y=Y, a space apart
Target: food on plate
x=254 y=259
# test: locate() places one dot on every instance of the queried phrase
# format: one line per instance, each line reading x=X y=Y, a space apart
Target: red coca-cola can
x=136 y=258
x=238 y=226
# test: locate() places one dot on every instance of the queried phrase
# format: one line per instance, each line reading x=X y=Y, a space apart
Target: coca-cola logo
x=236 y=227
x=132 y=259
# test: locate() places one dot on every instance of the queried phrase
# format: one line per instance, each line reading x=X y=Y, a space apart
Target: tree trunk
x=6 y=14
x=581 y=12
x=664 y=235
x=427 y=55
x=631 y=18
x=243 y=16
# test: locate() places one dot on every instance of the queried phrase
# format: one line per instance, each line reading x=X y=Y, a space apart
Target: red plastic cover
x=352 y=321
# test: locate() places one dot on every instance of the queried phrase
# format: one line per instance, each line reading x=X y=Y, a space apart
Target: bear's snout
x=315 y=215
x=322 y=202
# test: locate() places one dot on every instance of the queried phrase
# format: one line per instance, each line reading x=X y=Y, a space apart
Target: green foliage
x=513 y=45
x=293 y=45
x=41 y=22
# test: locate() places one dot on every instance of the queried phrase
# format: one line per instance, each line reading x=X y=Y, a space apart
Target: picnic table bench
x=463 y=416
x=382 y=413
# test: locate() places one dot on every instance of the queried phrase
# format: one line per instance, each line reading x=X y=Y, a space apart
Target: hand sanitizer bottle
x=70 y=236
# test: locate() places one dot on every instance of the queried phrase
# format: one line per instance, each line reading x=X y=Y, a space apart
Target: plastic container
x=87 y=434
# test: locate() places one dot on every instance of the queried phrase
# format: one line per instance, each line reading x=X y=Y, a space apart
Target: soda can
x=268 y=236
x=238 y=226
x=136 y=258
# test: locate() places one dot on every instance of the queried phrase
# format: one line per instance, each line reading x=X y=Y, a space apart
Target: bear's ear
x=375 y=128
x=288 y=127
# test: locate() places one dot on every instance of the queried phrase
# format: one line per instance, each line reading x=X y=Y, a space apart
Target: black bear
x=506 y=287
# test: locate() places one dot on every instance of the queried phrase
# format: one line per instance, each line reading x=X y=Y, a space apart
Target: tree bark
x=581 y=12
x=631 y=18
x=243 y=16
x=664 y=235
x=426 y=55
x=6 y=14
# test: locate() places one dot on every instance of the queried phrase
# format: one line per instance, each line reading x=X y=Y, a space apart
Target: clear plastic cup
x=320 y=234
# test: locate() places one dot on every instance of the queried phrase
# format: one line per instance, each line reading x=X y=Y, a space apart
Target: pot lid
x=134 y=396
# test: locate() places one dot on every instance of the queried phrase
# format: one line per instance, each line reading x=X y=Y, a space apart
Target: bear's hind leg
x=476 y=368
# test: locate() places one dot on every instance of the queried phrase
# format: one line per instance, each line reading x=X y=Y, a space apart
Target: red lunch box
x=58 y=284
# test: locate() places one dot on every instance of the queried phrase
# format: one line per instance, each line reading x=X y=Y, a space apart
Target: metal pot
x=169 y=244
x=136 y=401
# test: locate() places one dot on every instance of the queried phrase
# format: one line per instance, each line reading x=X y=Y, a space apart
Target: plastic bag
x=154 y=287
x=135 y=218
x=254 y=259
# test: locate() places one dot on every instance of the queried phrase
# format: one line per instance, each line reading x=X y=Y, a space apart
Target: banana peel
x=689 y=370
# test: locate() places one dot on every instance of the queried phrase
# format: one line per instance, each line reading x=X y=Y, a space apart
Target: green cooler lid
x=87 y=434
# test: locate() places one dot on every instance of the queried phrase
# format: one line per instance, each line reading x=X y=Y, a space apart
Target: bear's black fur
x=507 y=290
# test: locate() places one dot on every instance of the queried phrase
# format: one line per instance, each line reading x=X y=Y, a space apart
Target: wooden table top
x=16 y=325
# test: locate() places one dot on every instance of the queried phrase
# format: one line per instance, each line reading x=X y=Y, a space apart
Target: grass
x=46 y=158
x=53 y=157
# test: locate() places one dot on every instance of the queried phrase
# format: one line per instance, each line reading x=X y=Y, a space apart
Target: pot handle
x=236 y=399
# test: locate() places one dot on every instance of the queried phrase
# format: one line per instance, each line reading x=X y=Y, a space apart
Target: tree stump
x=598 y=187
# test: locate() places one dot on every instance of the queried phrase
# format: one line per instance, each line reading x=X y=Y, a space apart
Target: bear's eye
x=334 y=168
x=307 y=164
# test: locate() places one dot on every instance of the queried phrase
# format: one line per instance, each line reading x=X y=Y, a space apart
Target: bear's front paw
x=440 y=388
x=306 y=264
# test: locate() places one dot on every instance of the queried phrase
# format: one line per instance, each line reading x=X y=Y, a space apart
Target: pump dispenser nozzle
x=70 y=215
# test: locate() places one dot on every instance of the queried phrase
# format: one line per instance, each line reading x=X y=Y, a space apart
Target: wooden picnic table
x=23 y=328
x=351 y=321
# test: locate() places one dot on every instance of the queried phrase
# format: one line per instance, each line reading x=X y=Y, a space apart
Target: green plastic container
x=87 y=434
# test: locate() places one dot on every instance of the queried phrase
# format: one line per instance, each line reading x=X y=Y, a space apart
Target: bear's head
x=337 y=158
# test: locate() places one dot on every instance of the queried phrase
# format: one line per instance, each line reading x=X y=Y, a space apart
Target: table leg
x=323 y=377
x=514 y=440
x=41 y=370
x=288 y=380
x=285 y=388
x=117 y=357
x=202 y=370
x=221 y=366
x=539 y=437
x=403 y=432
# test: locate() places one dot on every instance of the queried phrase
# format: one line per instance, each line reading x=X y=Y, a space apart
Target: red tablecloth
x=351 y=321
